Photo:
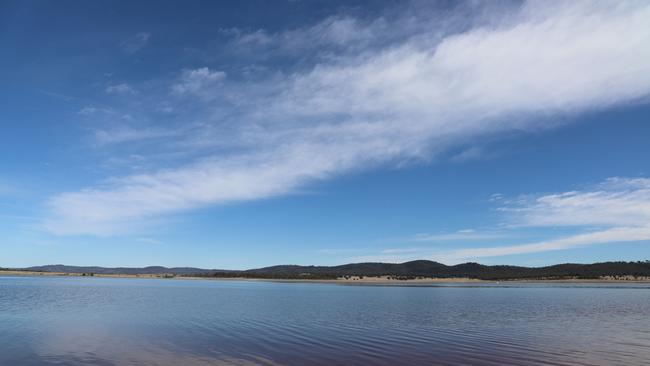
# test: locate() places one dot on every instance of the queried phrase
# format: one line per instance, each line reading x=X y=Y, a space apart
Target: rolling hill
x=418 y=268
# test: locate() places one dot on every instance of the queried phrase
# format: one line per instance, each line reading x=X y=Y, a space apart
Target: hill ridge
x=411 y=269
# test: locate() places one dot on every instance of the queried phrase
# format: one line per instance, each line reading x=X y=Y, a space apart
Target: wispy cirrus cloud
x=617 y=210
x=342 y=31
x=135 y=43
x=355 y=31
x=92 y=110
x=197 y=80
x=612 y=235
x=122 y=88
x=614 y=211
x=410 y=100
x=615 y=202
x=465 y=235
x=121 y=134
x=149 y=241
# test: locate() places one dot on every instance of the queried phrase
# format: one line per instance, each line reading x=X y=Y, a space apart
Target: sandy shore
x=63 y=274
x=352 y=280
x=349 y=280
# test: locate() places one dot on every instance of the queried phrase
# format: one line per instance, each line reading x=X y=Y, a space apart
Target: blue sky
x=252 y=133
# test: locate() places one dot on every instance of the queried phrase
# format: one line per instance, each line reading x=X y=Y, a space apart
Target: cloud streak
x=461 y=235
x=617 y=201
x=122 y=88
x=195 y=81
x=615 y=211
x=388 y=104
x=135 y=43
x=613 y=235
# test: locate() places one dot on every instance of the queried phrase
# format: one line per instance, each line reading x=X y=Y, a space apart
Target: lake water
x=100 y=321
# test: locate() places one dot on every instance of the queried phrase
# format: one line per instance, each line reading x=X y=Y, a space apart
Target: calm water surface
x=99 y=321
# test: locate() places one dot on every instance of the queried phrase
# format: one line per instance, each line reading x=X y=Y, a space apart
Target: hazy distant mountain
x=121 y=270
x=419 y=268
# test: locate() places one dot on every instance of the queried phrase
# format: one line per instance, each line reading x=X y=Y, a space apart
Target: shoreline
x=366 y=280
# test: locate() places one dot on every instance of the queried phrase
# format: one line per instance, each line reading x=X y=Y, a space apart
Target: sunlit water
x=99 y=321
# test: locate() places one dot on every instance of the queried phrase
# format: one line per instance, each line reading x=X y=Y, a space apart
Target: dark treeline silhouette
x=403 y=271
x=423 y=268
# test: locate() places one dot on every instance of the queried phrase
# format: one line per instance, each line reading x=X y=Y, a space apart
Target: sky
x=243 y=134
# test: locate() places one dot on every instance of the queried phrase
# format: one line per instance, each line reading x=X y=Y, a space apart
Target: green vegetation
x=396 y=271
x=429 y=269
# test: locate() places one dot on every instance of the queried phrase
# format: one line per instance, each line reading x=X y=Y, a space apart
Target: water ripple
x=74 y=321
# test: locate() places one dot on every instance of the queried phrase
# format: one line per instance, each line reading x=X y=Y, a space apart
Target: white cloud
x=386 y=105
x=461 y=235
x=617 y=210
x=149 y=241
x=613 y=235
x=401 y=250
x=394 y=257
x=618 y=201
x=340 y=30
x=122 y=134
x=86 y=111
x=472 y=153
x=135 y=43
x=482 y=80
x=258 y=37
x=122 y=88
x=194 y=81
x=105 y=211
x=92 y=110
x=607 y=236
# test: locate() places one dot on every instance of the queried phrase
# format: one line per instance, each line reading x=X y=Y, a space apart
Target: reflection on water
x=98 y=321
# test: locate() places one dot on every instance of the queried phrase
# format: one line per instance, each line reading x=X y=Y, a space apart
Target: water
x=100 y=321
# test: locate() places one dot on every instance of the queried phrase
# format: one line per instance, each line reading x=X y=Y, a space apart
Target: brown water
x=93 y=321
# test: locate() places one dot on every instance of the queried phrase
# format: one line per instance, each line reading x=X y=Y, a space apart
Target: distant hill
x=121 y=270
x=414 y=268
x=424 y=268
x=419 y=268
